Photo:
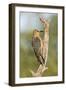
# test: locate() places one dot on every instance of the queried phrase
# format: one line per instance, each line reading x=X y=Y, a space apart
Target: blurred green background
x=28 y=61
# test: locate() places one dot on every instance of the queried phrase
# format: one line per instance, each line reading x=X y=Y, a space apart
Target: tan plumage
x=41 y=46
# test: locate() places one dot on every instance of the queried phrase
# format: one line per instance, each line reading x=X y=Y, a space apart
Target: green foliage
x=28 y=60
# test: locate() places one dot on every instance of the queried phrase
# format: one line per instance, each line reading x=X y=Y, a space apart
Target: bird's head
x=36 y=33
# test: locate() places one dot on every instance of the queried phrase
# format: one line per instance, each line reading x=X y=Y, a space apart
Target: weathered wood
x=46 y=38
x=39 y=71
x=43 y=68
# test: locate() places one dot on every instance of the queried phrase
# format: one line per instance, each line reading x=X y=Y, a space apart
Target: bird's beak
x=41 y=31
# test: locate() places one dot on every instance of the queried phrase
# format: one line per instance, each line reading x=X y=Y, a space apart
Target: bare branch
x=42 y=52
x=39 y=71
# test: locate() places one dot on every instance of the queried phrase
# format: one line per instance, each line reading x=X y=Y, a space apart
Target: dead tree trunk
x=45 y=41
